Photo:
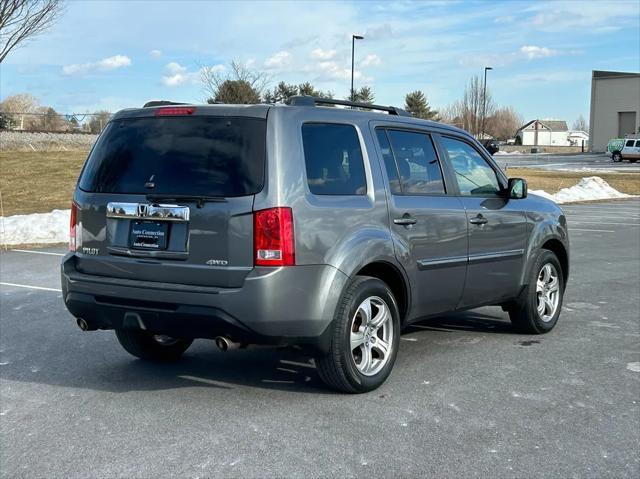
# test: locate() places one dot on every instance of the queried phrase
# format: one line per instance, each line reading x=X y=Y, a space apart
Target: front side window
x=474 y=174
x=333 y=159
x=411 y=162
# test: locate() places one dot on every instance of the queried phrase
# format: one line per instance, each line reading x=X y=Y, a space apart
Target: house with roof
x=543 y=133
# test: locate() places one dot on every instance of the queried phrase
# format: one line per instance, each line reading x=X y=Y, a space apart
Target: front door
x=429 y=226
x=497 y=227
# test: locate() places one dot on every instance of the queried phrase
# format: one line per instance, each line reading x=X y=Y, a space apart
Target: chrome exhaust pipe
x=225 y=344
x=82 y=324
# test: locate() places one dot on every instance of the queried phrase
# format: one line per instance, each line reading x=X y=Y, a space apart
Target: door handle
x=478 y=220
x=406 y=220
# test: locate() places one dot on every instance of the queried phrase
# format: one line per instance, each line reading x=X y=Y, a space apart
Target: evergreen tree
x=364 y=95
x=416 y=104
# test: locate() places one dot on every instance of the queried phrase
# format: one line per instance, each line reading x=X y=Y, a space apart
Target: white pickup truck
x=630 y=151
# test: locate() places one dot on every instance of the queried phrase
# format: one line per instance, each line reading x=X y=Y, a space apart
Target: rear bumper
x=292 y=305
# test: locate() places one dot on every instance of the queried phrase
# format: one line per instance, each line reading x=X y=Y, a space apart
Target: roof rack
x=153 y=103
x=303 y=100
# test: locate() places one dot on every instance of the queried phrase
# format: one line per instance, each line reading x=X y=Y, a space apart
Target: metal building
x=615 y=107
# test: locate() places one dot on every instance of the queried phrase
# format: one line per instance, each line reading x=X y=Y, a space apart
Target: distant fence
x=53 y=122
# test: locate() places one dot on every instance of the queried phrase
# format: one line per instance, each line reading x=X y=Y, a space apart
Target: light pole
x=353 y=46
x=484 y=99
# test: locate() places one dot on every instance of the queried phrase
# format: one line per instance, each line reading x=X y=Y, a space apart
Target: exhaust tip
x=82 y=324
x=222 y=343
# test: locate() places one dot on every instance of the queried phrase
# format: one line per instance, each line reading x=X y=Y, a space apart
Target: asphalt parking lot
x=468 y=397
x=581 y=162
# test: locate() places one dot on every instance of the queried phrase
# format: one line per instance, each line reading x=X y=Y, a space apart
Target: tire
x=525 y=314
x=366 y=366
x=616 y=157
x=150 y=347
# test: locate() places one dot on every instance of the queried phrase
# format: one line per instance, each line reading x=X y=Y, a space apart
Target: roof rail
x=153 y=103
x=303 y=100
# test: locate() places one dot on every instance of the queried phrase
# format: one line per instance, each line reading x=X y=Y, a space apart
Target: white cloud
x=277 y=60
x=533 y=51
x=106 y=64
x=331 y=70
x=155 y=53
x=371 y=60
x=320 y=54
x=176 y=74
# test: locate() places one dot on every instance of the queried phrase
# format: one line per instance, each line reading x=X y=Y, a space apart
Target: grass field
x=38 y=182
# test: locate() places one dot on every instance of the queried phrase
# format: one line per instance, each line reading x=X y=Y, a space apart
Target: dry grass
x=38 y=181
x=553 y=181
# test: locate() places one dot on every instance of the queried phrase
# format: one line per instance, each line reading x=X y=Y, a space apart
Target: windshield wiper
x=200 y=200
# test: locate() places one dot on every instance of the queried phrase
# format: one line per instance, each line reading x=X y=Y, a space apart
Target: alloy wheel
x=548 y=292
x=371 y=336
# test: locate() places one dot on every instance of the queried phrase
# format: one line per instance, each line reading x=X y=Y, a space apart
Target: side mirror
x=517 y=188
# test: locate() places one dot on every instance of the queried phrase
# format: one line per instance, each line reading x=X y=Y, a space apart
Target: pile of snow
x=35 y=228
x=515 y=152
x=587 y=189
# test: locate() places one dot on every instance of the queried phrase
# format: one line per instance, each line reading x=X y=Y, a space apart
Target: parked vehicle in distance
x=326 y=228
x=492 y=146
x=630 y=150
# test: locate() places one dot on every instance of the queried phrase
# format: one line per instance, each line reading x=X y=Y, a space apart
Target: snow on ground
x=587 y=189
x=516 y=152
x=36 y=228
x=42 y=228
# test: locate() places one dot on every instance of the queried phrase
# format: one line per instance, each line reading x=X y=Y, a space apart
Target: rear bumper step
x=183 y=321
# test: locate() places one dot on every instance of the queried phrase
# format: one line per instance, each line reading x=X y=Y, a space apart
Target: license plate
x=148 y=235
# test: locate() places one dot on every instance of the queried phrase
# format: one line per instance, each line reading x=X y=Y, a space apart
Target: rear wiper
x=200 y=200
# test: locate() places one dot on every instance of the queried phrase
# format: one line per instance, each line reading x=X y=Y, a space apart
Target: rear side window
x=629 y=143
x=412 y=164
x=333 y=159
x=200 y=155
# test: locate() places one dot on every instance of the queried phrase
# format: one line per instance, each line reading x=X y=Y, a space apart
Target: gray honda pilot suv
x=326 y=228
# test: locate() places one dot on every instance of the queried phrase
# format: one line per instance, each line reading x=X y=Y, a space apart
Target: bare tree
x=18 y=111
x=504 y=123
x=242 y=81
x=581 y=124
x=467 y=113
x=24 y=19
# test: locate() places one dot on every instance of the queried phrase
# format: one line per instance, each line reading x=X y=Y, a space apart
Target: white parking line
x=26 y=286
x=581 y=229
x=603 y=223
x=36 y=252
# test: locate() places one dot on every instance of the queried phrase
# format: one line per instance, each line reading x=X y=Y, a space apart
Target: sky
x=117 y=54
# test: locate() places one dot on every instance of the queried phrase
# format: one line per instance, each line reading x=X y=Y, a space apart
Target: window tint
x=474 y=175
x=333 y=159
x=416 y=163
x=629 y=143
x=389 y=162
x=200 y=155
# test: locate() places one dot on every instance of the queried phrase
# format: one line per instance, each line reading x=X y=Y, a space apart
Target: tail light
x=274 y=241
x=72 y=226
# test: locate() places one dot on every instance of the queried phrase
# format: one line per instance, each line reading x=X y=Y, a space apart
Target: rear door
x=168 y=197
x=429 y=226
x=497 y=226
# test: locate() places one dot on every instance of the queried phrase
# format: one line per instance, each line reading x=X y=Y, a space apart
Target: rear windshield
x=201 y=155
